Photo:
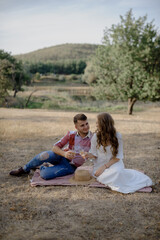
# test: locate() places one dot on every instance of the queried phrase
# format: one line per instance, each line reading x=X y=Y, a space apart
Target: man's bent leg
x=59 y=170
x=38 y=160
x=47 y=156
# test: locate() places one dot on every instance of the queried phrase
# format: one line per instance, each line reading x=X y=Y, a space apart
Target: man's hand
x=100 y=170
x=69 y=155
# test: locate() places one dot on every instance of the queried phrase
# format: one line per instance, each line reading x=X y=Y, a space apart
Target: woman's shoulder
x=94 y=137
x=118 y=135
x=94 y=134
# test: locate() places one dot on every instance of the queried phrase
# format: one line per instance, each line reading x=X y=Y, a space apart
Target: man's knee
x=45 y=174
x=44 y=156
x=51 y=172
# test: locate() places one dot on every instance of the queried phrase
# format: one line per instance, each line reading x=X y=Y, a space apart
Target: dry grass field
x=78 y=213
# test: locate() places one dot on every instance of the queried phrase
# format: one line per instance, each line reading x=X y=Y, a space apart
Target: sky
x=29 y=25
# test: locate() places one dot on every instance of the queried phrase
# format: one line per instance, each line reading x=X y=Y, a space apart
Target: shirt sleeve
x=93 y=148
x=63 y=141
x=120 y=147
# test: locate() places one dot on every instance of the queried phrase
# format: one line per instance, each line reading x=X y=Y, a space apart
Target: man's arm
x=58 y=151
x=67 y=154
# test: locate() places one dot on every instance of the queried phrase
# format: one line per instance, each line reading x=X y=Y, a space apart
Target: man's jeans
x=61 y=166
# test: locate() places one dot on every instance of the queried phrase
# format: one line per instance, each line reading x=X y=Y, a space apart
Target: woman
x=107 y=154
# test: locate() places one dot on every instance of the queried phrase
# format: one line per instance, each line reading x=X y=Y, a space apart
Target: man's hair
x=79 y=116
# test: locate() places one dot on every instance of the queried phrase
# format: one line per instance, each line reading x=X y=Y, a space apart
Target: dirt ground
x=76 y=212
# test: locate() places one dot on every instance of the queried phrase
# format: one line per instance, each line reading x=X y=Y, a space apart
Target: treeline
x=69 y=67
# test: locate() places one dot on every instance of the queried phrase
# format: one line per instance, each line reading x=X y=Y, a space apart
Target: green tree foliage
x=89 y=75
x=128 y=62
x=37 y=76
x=5 y=81
x=67 y=67
x=12 y=75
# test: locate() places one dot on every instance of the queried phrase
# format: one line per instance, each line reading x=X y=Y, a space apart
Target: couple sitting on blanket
x=104 y=147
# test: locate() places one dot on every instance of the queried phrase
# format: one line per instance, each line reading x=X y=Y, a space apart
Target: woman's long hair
x=106 y=133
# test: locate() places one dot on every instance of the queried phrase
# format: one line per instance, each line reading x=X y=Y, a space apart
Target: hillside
x=62 y=52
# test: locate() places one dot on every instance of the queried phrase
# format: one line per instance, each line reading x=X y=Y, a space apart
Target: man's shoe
x=18 y=172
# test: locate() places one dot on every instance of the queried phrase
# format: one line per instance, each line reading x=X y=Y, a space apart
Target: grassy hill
x=58 y=53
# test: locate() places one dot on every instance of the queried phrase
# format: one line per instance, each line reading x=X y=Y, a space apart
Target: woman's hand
x=100 y=170
x=87 y=155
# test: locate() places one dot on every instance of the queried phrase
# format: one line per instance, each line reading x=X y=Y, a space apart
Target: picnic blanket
x=65 y=181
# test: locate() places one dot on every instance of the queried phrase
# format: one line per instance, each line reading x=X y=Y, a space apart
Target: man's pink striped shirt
x=78 y=144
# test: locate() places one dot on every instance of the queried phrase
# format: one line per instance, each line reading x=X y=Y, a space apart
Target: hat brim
x=72 y=180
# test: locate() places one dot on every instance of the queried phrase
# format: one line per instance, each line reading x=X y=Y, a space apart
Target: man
x=65 y=161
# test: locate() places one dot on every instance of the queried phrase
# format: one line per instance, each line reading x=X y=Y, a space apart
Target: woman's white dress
x=116 y=176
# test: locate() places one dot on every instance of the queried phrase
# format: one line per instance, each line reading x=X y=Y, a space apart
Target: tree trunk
x=15 y=92
x=26 y=105
x=131 y=102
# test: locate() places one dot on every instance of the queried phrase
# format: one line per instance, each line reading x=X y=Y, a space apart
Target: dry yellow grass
x=52 y=90
x=18 y=123
x=76 y=212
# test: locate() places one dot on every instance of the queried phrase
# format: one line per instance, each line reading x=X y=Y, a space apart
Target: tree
x=128 y=62
x=12 y=75
x=5 y=81
x=89 y=75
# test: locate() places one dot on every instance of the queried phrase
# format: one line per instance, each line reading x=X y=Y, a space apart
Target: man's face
x=82 y=127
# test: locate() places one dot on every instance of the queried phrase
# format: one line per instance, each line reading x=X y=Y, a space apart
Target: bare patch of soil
x=64 y=213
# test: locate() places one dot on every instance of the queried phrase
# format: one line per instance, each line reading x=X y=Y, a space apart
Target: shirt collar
x=88 y=135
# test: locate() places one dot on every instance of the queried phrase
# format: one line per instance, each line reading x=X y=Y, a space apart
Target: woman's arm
x=87 y=155
x=112 y=161
x=107 y=165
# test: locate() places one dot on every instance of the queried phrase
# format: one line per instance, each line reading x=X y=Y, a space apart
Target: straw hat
x=82 y=177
